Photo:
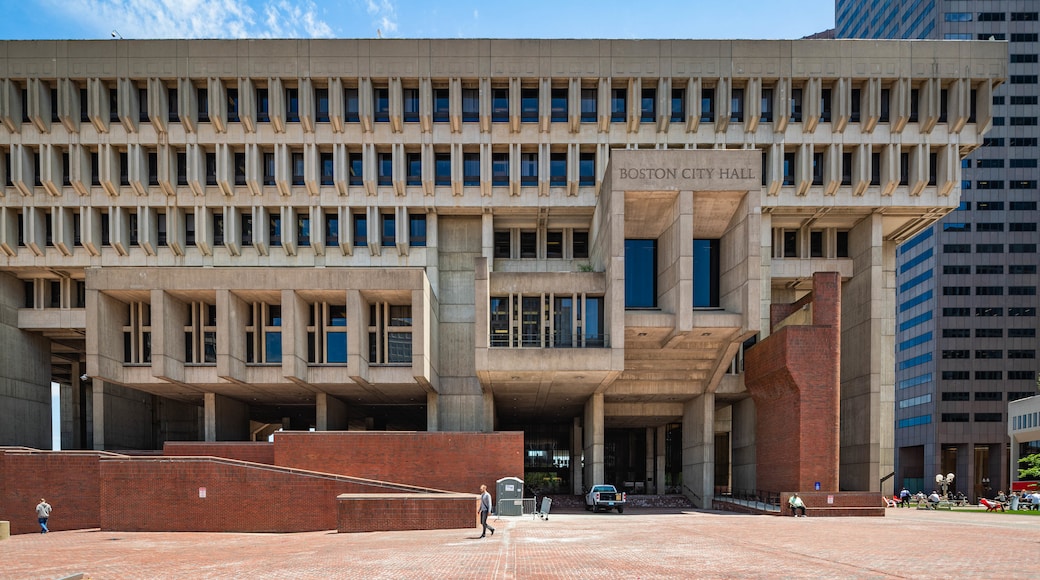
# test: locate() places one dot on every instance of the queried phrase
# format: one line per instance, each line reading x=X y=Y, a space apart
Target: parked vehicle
x=605 y=497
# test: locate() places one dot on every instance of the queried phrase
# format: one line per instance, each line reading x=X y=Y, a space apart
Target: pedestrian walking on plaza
x=484 y=509
x=796 y=503
x=43 y=511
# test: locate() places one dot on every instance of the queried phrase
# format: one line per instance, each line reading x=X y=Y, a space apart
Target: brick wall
x=68 y=480
x=451 y=461
x=832 y=504
x=793 y=376
x=140 y=495
x=395 y=512
x=257 y=452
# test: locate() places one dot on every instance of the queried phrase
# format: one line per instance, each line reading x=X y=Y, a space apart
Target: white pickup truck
x=605 y=497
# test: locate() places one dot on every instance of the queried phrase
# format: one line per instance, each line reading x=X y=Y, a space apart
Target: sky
x=129 y=19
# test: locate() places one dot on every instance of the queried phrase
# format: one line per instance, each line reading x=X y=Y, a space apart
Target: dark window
x=678 y=114
x=351 y=105
x=471 y=169
x=385 y=163
x=500 y=105
x=587 y=169
x=957 y=269
x=356 y=173
x=441 y=105
x=211 y=168
x=417 y=230
x=327 y=168
x=218 y=228
x=360 y=230
x=274 y=229
x=640 y=273
x=410 y=101
x=767 y=105
x=988 y=376
x=470 y=105
x=956 y=333
x=529 y=105
x=414 y=168
x=203 y=97
x=580 y=243
x=843 y=245
x=247 y=229
x=708 y=105
x=321 y=105
x=263 y=106
x=292 y=105
x=297 y=168
x=332 y=229
x=172 y=114
x=381 y=104
x=554 y=244
x=240 y=168
x=502 y=244
x=706 y=273
x=303 y=228
x=618 y=98
x=557 y=169
x=989 y=417
x=953 y=354
x=954 y=417
x=954 y=376
x=589 y=105
x=528 y=244
x=648 y=105
x=442 y=168
x=796 y=105
x=559 y=105
x=268 y=169
x=529 y=168
x=499 y=169
x=389 y=229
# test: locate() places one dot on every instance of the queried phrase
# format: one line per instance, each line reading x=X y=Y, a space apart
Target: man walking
x=43 y=511
x=484 y=510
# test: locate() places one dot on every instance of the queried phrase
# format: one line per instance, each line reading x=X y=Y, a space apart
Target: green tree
x=1032 y=467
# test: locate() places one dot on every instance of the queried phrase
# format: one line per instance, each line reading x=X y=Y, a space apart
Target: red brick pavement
x=636 y=544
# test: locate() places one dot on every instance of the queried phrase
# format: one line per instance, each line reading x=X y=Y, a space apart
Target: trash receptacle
x=509 y=496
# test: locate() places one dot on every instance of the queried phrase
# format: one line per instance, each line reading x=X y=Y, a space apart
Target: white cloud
x=385 y=14
x=194 y=18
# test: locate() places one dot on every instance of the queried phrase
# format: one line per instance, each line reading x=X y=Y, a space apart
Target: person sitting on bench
x=796 y=503
x=933 y=500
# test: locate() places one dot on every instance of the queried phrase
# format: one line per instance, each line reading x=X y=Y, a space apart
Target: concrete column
x=651 y=460
x=131 y=410
x=698 y=453
x=226 y=419
x=868 y=377
x=25 y=375
x=742 y=462
x=576 y=448
x=659 y=474
x=489 y=412
x=432 y=400
x=74 y=409
x=593 y=439
x=331 y=413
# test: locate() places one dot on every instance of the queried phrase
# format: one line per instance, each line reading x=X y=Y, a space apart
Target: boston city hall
x=627 y=250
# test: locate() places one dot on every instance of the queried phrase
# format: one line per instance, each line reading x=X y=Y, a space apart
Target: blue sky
x=96 y=19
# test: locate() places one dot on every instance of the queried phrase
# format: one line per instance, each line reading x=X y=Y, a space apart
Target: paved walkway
x=636 y=544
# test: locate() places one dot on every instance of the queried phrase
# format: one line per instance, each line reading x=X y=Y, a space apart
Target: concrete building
x=967 y=287
x=1024 y=432
x=212 y=240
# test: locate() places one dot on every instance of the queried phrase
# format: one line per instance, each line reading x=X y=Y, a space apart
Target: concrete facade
x=966 y=295
x=432 y=235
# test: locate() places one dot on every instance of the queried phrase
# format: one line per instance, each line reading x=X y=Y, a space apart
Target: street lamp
x=944 y=483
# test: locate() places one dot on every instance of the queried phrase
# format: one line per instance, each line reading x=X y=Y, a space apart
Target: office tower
x=576 y=238
x=966 y=288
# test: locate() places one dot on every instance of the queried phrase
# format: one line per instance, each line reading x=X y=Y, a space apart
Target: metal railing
x=553 y=340
x=755 y=498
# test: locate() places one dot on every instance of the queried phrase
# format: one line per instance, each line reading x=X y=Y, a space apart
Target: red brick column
x=793 y=377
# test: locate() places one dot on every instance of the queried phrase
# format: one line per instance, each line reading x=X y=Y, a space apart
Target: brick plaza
x=637 y=544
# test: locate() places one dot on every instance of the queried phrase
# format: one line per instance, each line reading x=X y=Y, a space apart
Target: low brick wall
x=67 y=480
x=372 y=512
x=837 y=504
x=447 y=460
x=256 y=452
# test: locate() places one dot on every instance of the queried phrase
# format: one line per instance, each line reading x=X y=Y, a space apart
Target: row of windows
x=990 y=269
x=989 y=312
x=990 y=16
x=999 y=184
x=1011 y=141
x=989 y=333
x=989 y=290
x=989 y=354
x=541 y=244
x=547 y=321
x=324 y=172
x=1015 y=37
x=623 y=102
x=274 y=229
x=1026 y=421
x=998 y=205
x=999 y=163
x=989 y=227
x=991 y=376
x=389 y=332
x=979 y=417
x=989 y=248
